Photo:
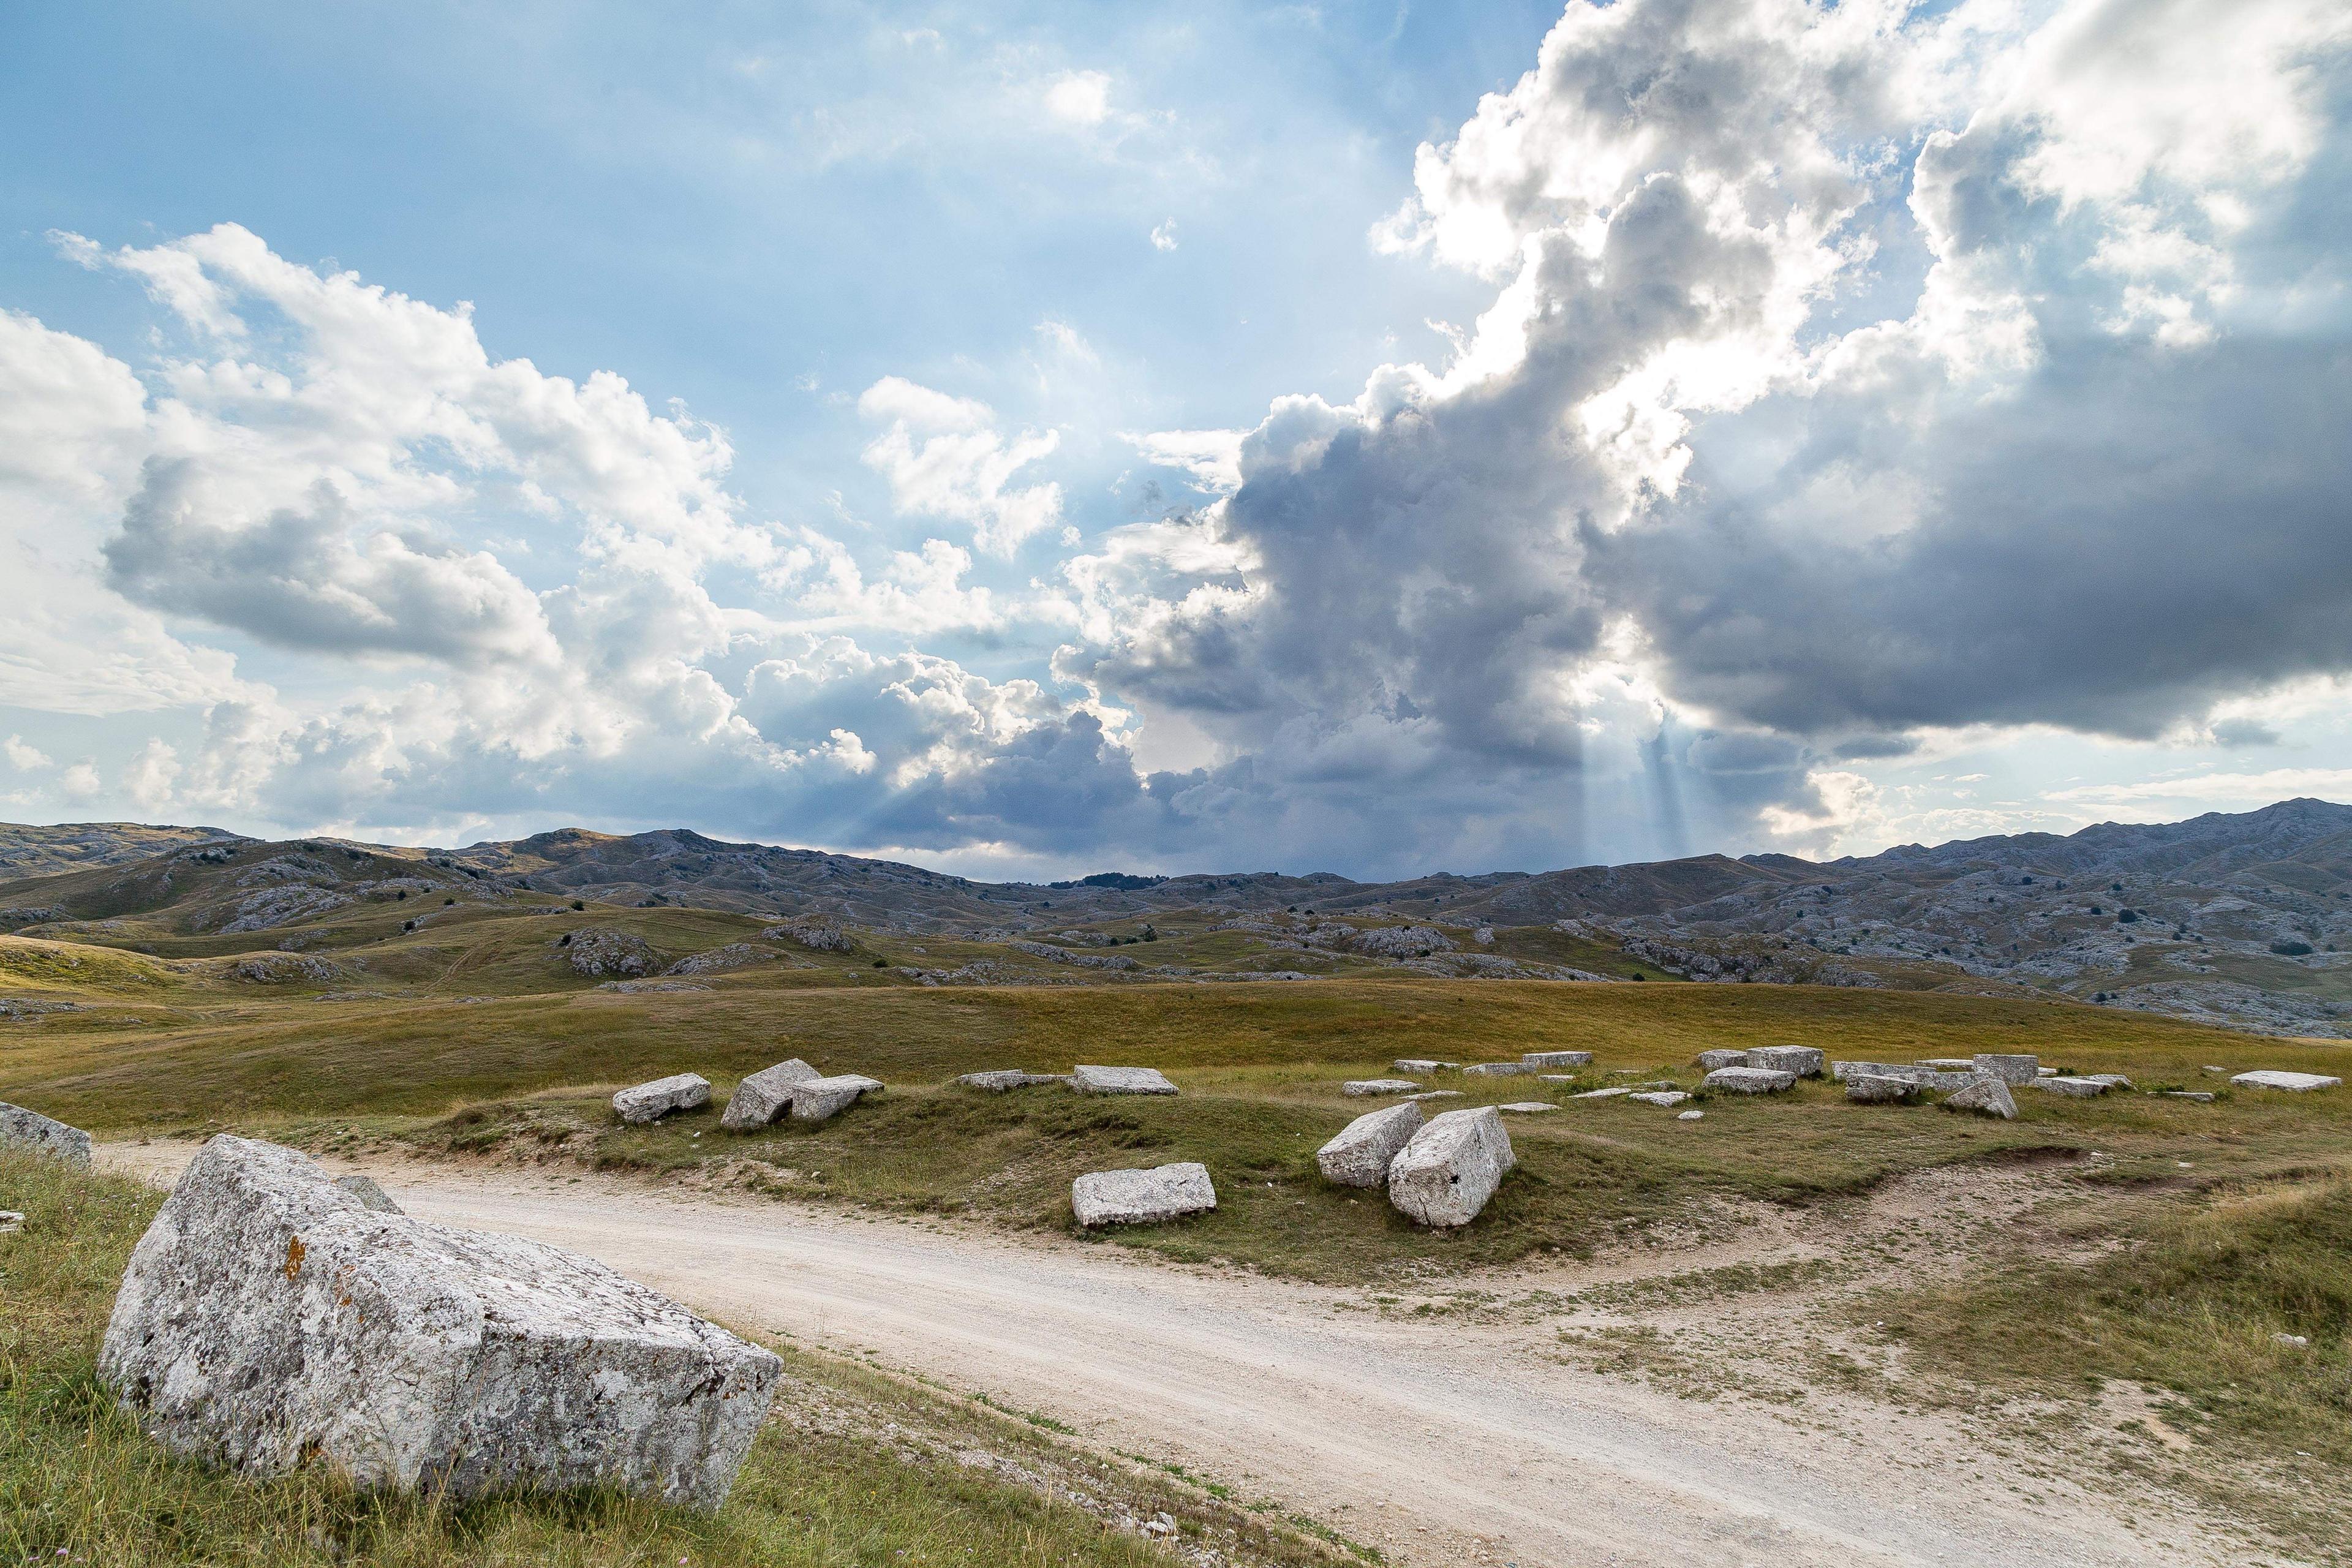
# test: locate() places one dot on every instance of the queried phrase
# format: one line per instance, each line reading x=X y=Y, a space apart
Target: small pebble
x=2297 y=1341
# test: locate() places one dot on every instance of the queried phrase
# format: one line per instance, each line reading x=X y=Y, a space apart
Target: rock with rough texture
x=24 y=1131
x=370 y=1196
x=1363 y=1085
x=1360 y=1155
x=2292 y=1082
x=1422 y=1065
x=1665 y=1096
x=269 y=1321
x=1121 y=1080
x=1141 y=1197
x=1877 y=1089
x=1556 y=1059
x=1003 y=1081
x=1803 y=1061
x=2202 y=1097
x=1603 y=1093
x=823 y=1099
x=1710 y=1060
x=1933 y=1079
x=1497 y=1070
x=1949 y=1064
x=1747 y=1080
x=652 y=1102
x=1429 y=1094
x=765 y=1095
x=1691 y=1116
x=2073 y=1088
x=2011 y=1068
x=11 y=1220
x=1452 y=1166
x=1988 y=1096
x=1527 y=1107
x=2112 y=1080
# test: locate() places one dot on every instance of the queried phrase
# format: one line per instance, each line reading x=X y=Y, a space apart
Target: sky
x=1380 y=438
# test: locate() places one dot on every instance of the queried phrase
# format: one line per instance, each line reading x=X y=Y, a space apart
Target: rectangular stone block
x=1360 y=1155
x=767 y=1094
x=1121 y=1080
x=1556 y=1059
x=1367 y=1086
x=651 y=1102
x=1722 y=1058
x=1497 y=1070
x=823 y=1099
x=2010 y=1067
x=2292 y=1082
x=1747 y=1080
x=1444 y=1176
x=1804 y=1061
x=1142 y=1198
x=1878 y=1089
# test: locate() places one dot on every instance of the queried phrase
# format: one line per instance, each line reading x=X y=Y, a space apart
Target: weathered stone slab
x=1949 y=1064
x=1121 y=1080
x=1497 y=1070
x=1427 y=1095
x=1603 y=1093
x=1877 y=1089
x=1360 y=1155
x=2292 y=1082
x=1142 y=1198
x=268 y=1320
x=1988 y=1096
x=1452 y=1166
x=1422 y=1065
x=1363 y=1085
x=1925 y=1077
x=823 y=1099
x=765 y=1095
x=1556 y=1059
x=1002 y=1080
x=2010 y=1067
x=370 y=1196
x=24 y=1131
x=1667 y=1097
x=1710 y=1060
x=1804 y=1061
x=1691 y=1116
x=2202 y=1097
x=1747 y=1080
x=2073 y=1088
x=652 y=1102
x=2112 y=1080
x=1526 y=1107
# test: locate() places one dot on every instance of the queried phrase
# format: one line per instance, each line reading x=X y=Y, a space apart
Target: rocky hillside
x=27 y=851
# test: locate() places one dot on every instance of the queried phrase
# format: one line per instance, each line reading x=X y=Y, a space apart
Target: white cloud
x=1163 y=237
x=1079 y=98
x=944 y=458
x=1213 y=457
x=24 y=757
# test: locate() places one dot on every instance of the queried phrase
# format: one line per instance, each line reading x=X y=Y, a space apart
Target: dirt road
x=1438 y=1442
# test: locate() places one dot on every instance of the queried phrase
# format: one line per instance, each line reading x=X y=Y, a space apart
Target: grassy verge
x=860 y=1468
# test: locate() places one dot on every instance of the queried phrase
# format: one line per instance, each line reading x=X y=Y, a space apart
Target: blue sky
x=1175 y=436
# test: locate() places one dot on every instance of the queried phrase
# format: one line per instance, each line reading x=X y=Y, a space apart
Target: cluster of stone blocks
x=1440 y=1172
x=791 y=1089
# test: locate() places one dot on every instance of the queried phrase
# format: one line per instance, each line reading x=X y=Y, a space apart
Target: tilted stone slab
x=1422 y=1065
x=1603 y=1093
x=765 y=1095
x=24 y=1131
x=1556 y=1059
x=268 y=1321
x=1427 y=1095
x=1526 y=1107
x=1722 y=1058
x=1747 y=1080
x=1988 y=1096
x=823 y=1099
x=651 y=1102
x=1498 y=1070
x=2073 y=1088
x=1121 y=1080
x=1925 y=1077
x=1667 y=1097
x=370 y=1196
x=1360 y=1155
x=2292 y=1082
x=2112 y=1080
x=1878 y=1089
x=1363 y=1085
x=2009 y=1066
x=1802 y=1060
x=1452 y=1166
x=1003 y=1081
x=1142 y=1198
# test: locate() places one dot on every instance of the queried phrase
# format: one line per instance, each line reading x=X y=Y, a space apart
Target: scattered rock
x=1360 y=1155
x=1527 y=1107
x=765 y=1095
x=2009 y=1069
x=823 y=1099
x=1004 y=1080
x=1925 y=1077
x=1667 y=1097
x=1121 y=1080
x=2293 y=1341
x=1142 y=1198
x=1877 y=1089
x=1556 y=1059
x=1692 y=1116
x=815 y=935
x=1429 y=1094
x=1422 y=1065
x=2200 y=1096
x=1710 y=1060
x=370 y=1196
x=1497 y=1070
x=1747 y=1080
x=2074 y=1087
x=1362 y=1086
x=1603 y=1093
x=268 y=1322
x=1988 y=1096
x=2292 y=1082
x=10 y=1220
x=651 y=1102
x=597 y=952
x=1445 y=1176
x=2112 y=1080
x=1802 y=1061
x=30 y=1132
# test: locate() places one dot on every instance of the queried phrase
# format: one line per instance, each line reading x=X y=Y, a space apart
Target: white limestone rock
x=1452 y=1166
x=1988 y=1096
x=1747 y=1080
x=1364 y=1086
x=1360 y=1155
x=24 y=1131
x=2112 y=1080
x=823 y=1099
x=1527 y=1107
x=1121 y=1080
x=1497 y=1070
x=269 y=1321
x=1422 y=1065
x=1603 y=1093
x=1803 y=1061
x=2073 y=1088
x=1003 y=1081
x=765 y=1095
x=1556 y=1059
x=2010 y=1067
x=651 y=1102
x=1663 y=1096
x=1710 y=1060
x=1877 y=1089
x=1142 y=1198
x=1933 y=1079
x=1427 y=1095
x=1692 y=1116
x=1949 y=1064
x=370 y=1196
x=2292 y=1082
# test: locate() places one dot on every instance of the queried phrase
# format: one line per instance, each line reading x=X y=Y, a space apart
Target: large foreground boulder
x=1445 y=1176
x=24 y=1131
x=651 y=1102
x=1121 y=1080
x=1142 y=1198
x=823 y=1099
x=765 y=1095
x=269 y=1321
x=1360 y=1155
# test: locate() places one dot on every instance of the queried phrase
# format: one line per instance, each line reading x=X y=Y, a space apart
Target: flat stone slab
x=1747 y=1080
x=1526 y=1107
x=1722 y=1058
x=268 y=1322
x=1003 y=1081
x=1988 y=1096
x=1877 y=1089
x=767 y=1094
x=1121 y=1080
x=823 y=1099
x=1805 y=1061
x=1667 y=1097
x=30 y=1132
x=2112 y=1080
x=1498 y=1070
x=1142 y=1198
x=1445 y=1176
x=1692 y=1116
x=1362 y=1086
x=1603 y=1093
x=1360 y=1155
x=1427 y=1095
x=651 y=1102
x=2011 y=1067
x=1556 y=1058
x=2074 y=1087
x=370 y=1196
x=2292 y=1082
x=1422 y=1065
x=2202 y=1097
x=1925 y=1077
x=1949 y=1064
